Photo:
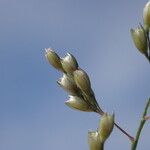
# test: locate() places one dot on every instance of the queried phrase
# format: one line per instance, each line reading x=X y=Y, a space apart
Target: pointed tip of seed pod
x=112 y=113
x=48 y=50
x=68 y=54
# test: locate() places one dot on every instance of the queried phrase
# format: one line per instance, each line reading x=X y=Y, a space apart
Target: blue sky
x=32 y=110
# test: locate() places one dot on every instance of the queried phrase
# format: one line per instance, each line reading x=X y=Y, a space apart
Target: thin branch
x=124 y=132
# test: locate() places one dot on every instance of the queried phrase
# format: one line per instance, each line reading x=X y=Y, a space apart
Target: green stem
x=142 y=122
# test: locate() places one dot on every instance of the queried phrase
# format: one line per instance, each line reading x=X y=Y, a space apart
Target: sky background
x=32 y=111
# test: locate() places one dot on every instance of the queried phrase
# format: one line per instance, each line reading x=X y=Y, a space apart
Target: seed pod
x=140 y=39
x=146 y=15
x=94 y=140
x=78 y=103
x=106 y=126
x=69 y=63
x=82 y=80
x=53 y=59
x=68 y=84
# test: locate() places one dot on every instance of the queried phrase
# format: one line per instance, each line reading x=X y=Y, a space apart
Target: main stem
x=142 y=122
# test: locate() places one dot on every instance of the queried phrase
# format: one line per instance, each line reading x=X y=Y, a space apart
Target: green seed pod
x=69 y=63
x=53 y=59
x=78 y=103
x=82 y=81
x=94 y=140
x=68 y=84
x=140 y=39
x=106 y=126
x=146 y=15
